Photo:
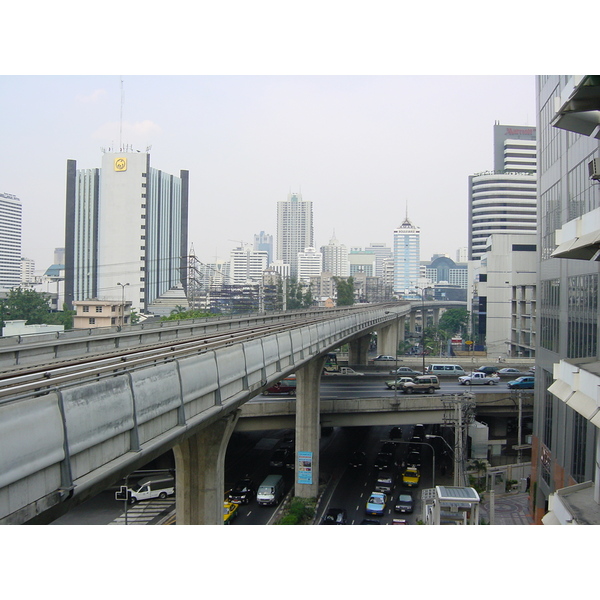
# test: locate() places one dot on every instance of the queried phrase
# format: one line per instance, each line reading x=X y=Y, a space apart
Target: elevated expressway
x=81 y=410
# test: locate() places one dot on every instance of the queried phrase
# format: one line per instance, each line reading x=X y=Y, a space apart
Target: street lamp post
x=123 y=285
x=423 y=321
x=387 y=312
x=456 y=466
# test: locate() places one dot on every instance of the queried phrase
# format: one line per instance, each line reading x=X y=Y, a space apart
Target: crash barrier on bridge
x=64 y=444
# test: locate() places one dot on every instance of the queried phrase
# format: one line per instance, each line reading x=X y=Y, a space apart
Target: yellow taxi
x=230 y=511
x=411 y=477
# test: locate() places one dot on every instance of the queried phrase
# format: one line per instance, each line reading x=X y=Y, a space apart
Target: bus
x=331 y=363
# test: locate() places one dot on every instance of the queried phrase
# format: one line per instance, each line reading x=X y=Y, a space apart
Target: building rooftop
x=579 y=501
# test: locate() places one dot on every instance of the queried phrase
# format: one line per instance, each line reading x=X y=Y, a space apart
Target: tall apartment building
x=566 y=436
x=310 y=264
x=504 y=200
x=27 y=270
x=247 y=265
x=407 y=257
x=381 y=252
x=11 y=217
x=126 y=230
x=335 y=258
x=263 y=242
x=294 y=229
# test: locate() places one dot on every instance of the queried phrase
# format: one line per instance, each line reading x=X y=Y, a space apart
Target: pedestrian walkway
x=510 y=509
x=145 y=513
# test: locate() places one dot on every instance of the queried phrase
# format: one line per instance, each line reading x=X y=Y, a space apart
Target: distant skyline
x=364 y=149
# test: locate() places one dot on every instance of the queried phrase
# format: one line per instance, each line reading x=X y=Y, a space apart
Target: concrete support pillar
x=436 y=316
x=401 y=328
x=308 y=429
x=386 y=340
x=200 y=473
x=412 y=321
x=358 y=349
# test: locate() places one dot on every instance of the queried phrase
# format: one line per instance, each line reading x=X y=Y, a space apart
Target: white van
x=270 y=490
x=153 y=487
x=444 y=370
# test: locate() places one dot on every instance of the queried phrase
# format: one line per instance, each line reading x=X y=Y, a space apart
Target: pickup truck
x=343 y=371
x=478 y=378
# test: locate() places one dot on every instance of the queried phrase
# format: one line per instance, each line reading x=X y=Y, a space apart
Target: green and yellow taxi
x=230 y=511
x=411 y=477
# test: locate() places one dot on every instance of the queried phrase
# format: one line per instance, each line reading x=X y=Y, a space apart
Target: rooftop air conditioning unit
x=594 y=168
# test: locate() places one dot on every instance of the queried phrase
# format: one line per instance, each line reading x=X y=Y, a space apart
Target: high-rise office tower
x=335 y=258
x=294 y=229
x=565 y=461
x=407 y=257
x=504 y=200
x=126 y=230
x=263 y=242
x=11 y=215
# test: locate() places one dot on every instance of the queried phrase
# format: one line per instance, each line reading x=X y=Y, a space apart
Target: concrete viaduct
x=68 y=436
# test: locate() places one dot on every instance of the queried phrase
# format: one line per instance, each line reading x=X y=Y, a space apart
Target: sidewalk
x=510 y=509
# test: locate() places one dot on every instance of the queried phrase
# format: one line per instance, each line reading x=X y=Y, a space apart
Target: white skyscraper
x=407 y=257
x=294 y=229
x=310 y=264
x=247 y=265
x=335 y=258
x=10 y=241
x=126 y=230
x=504 y=201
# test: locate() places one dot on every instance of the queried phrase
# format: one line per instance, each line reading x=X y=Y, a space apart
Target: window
x=98 y=309
x=92 y=321
x=86 y=309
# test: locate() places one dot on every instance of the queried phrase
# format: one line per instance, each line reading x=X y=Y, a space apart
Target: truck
x=478 y=378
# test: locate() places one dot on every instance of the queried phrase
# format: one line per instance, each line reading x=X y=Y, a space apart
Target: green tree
x=454 y=321
x=345 y=291
x=33 y=307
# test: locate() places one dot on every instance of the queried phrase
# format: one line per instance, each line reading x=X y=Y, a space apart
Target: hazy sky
x=363 y=149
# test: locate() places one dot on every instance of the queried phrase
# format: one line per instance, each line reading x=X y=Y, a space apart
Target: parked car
x=418 y=433
x=405 y=371
x=384 y=461
x=376 y=504
x=285 y=386
x=242 y=492
x=334 y=516
x=522 y=383
x=487 y=370
x=357 y=459
x=385 y=482
x=230 y=512
x=404 y=503
x=280 y=457
x=425 y=383
x=411 y=477
x=398 y=383
x=413 y=459
x=509 y=371
x=396 y=433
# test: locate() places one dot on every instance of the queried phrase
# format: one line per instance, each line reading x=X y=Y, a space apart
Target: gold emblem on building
x=120 y=164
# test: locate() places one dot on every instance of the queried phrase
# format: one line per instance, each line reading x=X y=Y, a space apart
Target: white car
x=384 y=357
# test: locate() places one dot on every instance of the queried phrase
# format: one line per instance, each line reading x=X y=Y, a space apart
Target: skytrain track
x=19 y=381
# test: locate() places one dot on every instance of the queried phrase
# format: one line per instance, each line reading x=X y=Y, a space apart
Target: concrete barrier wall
x=53 y=443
